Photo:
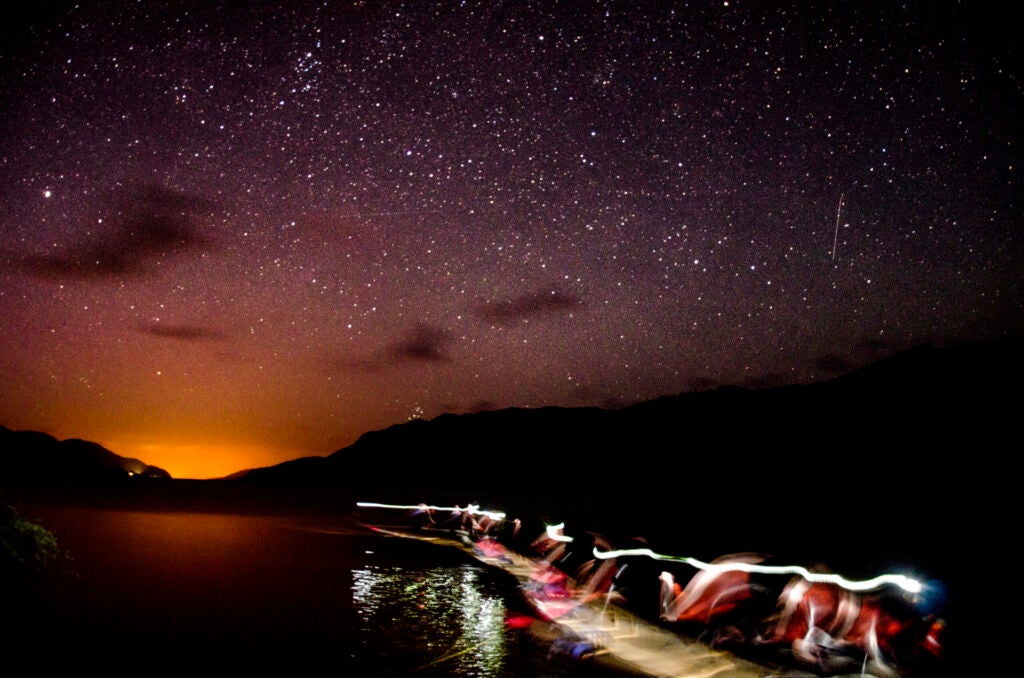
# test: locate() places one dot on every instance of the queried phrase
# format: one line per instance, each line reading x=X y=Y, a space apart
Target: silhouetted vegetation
x=26 y=550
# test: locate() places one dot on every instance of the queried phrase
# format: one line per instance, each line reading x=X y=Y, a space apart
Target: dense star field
x=233 y=234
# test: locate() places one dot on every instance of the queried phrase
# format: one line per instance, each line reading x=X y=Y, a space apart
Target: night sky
x=233 y=234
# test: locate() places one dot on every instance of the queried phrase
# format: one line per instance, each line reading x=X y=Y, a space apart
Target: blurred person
x=711 y=594
x=834 y=629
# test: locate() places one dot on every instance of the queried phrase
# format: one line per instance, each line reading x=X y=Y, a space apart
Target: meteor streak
x=835 y=238
x=396 y=213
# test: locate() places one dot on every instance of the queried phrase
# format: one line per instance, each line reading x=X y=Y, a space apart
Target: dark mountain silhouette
x=904 y=429
x=38 y=458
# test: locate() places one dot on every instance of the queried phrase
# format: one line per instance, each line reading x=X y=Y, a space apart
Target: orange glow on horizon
x=192 y=450
x=204 y=461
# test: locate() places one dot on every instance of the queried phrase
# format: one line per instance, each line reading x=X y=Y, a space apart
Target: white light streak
x=903 y=581
x=471 y=509
x=555 y=533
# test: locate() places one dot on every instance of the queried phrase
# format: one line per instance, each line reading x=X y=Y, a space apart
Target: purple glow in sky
x=235 y=234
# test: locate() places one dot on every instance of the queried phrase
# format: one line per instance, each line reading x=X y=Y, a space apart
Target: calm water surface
x=244 y=590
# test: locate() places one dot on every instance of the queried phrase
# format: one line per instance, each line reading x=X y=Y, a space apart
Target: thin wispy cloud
x=421 y=344
x=182 y=332
x=424 y=343
x=528 y=306
x=151 y=223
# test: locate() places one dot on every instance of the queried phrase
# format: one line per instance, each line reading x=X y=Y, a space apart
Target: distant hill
x=904 y=429
x=31 y=457
x=912 y=427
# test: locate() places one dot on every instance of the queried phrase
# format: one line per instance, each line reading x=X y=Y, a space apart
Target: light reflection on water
x=259 y=589
x=458 y=616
